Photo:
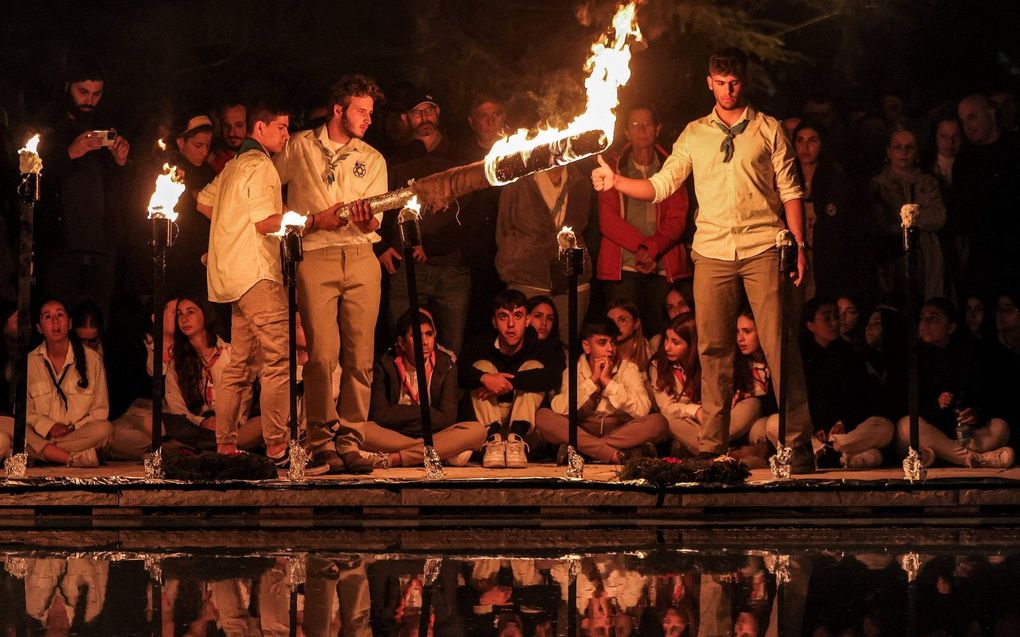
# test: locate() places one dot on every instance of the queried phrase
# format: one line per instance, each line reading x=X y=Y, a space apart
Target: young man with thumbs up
x=748 y=190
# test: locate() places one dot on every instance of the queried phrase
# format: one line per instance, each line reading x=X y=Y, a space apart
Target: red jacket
x=617 y=234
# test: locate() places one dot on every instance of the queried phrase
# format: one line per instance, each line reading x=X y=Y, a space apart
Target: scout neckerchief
x=412 y=391
x=332 y=159
x=57 y=382
x=731 y=132
x=251 y=144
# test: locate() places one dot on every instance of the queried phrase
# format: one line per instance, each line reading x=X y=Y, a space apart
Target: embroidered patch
x=359 y=169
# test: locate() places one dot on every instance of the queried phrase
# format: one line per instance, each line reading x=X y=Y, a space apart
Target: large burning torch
x=572 y=259
x=410 y=236
x=291 y=253
x=30 y=166
x=169 y=188
x=526 y=151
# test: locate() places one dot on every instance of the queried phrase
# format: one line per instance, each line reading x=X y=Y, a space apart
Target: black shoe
x=803 y=460
x=329 y=460
x=494 y=428
x=354 y=462
x=828 y=458
x=708 y=456
x=520 y=427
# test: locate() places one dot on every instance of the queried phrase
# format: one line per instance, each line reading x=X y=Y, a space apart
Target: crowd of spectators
x=495 y=298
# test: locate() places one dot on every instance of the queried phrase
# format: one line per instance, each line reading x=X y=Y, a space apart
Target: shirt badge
x=359 y=169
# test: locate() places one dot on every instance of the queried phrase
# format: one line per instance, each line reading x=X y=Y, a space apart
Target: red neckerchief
x=208 y=389
x=681 y=379
x=430 y=365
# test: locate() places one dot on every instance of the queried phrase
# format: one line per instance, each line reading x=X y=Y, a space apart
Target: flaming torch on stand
x=526 y=152
x=572 y=258
x=30 y=165
x=169 y=188
x=291 y=253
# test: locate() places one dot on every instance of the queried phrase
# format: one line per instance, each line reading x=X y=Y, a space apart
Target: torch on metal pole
x=410 y=235
x=913 y=468
x=572 y=258
x=169 y=188
x=780 y=462
x=30 y=166
x=291 y=254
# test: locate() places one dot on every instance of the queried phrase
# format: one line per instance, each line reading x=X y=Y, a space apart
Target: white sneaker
x=864 y=460
x=379 y=460
x=86 y=459
x=516 y=452
x=460 y=460
x=494 y=456
x=1001 y=458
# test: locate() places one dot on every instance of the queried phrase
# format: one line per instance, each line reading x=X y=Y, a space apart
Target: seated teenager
x=955 y=424
x=394 y=431
x=67 y=404
x=675 y=373
x=753 y=398
x=632 y=344
x=507 y=375
x=612 y=403
x=842 y=396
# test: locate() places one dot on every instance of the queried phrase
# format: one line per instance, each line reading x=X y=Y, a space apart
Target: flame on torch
x=608 y=69
x=169 y=188
x=291 y=222
x=161 y=144
x=28 y=157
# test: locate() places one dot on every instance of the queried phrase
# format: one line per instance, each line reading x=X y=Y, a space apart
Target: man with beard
x=232 y=123
x=324 y=169
x=81 y=208
x=442 y=273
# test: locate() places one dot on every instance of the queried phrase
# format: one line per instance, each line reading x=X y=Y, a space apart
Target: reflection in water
x=660 y=593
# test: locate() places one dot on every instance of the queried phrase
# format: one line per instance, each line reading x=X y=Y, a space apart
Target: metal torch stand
x=573 y=266
x=780 y=462
x=913 y=468
x=162 y=238
x=410 y=235
x=292 y=253
x=28 y=192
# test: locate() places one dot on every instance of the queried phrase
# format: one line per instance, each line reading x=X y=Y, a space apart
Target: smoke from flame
x=169 y=188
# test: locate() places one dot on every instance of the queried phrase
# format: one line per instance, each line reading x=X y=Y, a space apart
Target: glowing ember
x=161 y=144
x=290 y=222
x=609 y=69
x=169 y=188
x=28 y=157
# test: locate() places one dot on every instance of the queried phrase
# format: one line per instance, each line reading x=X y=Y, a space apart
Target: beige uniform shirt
x=245 y=193
x=84 y=404
x=740 y=201
x=357 y=170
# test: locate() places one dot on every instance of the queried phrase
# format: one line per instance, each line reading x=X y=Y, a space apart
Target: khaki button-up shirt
x=84 y=404
x=740 y=201
x=360 y=173
x=245 y=193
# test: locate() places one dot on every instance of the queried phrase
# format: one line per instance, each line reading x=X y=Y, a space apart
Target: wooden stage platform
x=116 y=497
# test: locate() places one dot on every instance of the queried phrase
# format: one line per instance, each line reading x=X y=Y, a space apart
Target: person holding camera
x=81 y=205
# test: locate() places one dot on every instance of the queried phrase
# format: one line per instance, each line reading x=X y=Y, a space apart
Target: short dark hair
x=811 y=307
x=943 y=305
x=484 y=97
x=264 y=110
x=599 y=327
x=353 y=85
x=728 y=61
x=642 y=106
x=404 y=323
x=85 y=68
x=509 y=299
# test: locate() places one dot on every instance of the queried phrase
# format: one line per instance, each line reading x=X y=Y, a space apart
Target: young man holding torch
x=339 y=277
x=245 y=203
x=748 y=190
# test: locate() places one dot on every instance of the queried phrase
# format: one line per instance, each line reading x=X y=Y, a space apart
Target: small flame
x=169 y=188
x=290 y=222
x=413 y=204
x=161 y=144
x=566 y=239
x=608 y=69
x=32 y=145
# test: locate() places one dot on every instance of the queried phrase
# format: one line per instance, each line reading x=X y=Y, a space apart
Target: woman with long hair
x=67 y=405
x=631 y=344
x=675 y=373
x=196 y=365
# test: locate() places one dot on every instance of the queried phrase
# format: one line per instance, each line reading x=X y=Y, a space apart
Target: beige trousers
x=601 y=437
x=338 y=295
x=258 y=324
x=718 y=288
x=449 y=442
x=525 y=404
x=95 y=434
x=990 y=436
x=687 y=431
x=328 y=579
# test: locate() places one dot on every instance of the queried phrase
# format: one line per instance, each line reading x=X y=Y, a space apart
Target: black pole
x=410 y=233
x=574 y=265
x=291 y=253
x=426 y=610
x=29 y=194
x=157 y=608
x=572 y=607
x=913 y=405
x=160 y=241
x=787 y=267
x=293 y=612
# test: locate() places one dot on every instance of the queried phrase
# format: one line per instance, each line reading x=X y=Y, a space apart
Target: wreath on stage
x=667 y=472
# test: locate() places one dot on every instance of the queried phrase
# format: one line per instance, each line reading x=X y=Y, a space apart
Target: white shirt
x=176 y=403
x=245 y=193
x=84 y=404
x=303 y=168
x=626 y=393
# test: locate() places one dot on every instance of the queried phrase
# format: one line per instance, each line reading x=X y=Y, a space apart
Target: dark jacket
x=532 y=380
x=838 y=385
x=406 y=419
x=952 y=369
